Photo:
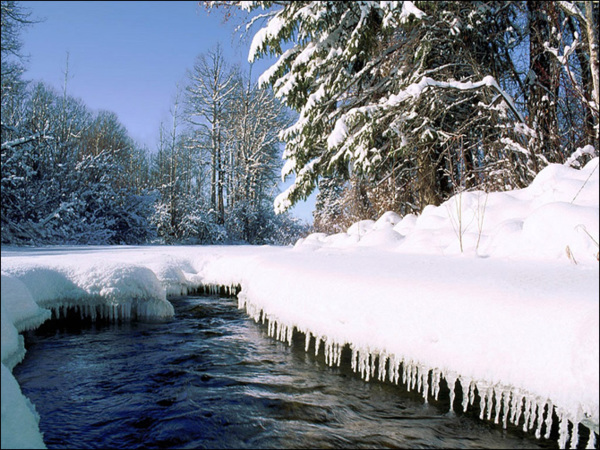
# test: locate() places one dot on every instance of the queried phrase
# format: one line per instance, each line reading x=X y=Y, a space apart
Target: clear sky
x=129 y=56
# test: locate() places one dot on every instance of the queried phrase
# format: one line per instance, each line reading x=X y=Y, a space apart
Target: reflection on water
x=212 y=378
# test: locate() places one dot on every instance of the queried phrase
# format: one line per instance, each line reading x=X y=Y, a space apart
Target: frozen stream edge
x=498 y=402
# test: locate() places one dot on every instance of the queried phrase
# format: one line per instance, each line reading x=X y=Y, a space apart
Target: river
x=212 y=378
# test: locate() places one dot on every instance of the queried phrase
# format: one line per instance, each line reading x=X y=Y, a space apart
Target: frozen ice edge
x=32 y=295
x=497 y=401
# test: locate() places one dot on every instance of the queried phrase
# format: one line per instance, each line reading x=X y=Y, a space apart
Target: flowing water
x=212 y=378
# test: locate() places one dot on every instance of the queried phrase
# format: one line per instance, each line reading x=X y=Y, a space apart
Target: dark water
x=212 y=378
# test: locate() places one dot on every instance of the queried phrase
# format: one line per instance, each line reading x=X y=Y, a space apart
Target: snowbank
x=553 y=219
x=496 y=292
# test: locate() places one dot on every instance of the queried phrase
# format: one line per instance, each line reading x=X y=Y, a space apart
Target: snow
x=495 y=291
x=272 y=29
x=409 y=9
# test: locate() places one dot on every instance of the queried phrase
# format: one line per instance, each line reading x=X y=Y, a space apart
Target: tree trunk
x=592 y=35
x=543 y=82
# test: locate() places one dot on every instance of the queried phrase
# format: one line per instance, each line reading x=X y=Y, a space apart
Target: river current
x=212 y=378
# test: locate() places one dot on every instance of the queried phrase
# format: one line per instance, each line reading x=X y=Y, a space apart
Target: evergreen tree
x=390 y=89
x=415 y=101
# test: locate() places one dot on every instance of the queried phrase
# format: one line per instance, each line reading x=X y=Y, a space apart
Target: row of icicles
x=495 y=400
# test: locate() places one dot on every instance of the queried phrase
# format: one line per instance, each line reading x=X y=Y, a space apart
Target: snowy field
x=498 y=292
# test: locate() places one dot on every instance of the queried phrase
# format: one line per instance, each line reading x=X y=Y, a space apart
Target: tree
x=209 y=95
x=387 y=91
x=254 y=120
x=543 y=80
x=575 y=51
x=64 y=181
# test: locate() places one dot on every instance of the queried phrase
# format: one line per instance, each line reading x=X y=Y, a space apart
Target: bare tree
x=209 y=95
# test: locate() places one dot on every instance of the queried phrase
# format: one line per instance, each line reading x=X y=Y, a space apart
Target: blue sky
x=129 y=56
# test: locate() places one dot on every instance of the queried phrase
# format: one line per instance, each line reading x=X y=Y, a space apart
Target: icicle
x=563 y=429
x=527 y=412
x=363 y=365
x=328 y=352
x=372 y=365
x=465 y=384
x=418 y=376
x=258 y=312
x=534 y=413
x=354 y=358
x=407 y=375
x=339 y=355
x=505 y=407
x=333 y=354
x=425 y=381
x=540 y=419
x=472 y=393
x=414 y=377
x=290 y=334
x=394 y=372
x=271 y=327
x=451 y=380
x=497 y=404
x=575 y=434
x=317 y=344
x=490 y=401
x=306 y=341
x=591 y=441
x=381 y=372
x=482 y=387
x=283 y=329
x=517 y=407
x=435 y=383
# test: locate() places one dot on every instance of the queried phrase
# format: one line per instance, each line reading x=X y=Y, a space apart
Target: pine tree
x=390 y=90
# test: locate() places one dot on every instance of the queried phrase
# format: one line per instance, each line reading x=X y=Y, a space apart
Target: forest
x=380 y=106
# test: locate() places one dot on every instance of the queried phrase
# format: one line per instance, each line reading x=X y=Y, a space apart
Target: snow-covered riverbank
x=497 y=292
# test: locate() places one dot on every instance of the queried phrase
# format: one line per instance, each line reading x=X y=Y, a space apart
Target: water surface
x=212 y=378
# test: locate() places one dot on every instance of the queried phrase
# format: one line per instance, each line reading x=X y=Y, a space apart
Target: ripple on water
x=212 y=378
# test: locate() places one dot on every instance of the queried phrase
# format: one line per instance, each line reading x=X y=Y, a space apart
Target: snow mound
x=19 y=418
x=555 y=218
x=107 y=290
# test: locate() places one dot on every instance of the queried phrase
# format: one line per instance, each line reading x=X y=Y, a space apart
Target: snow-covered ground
x=498 y=292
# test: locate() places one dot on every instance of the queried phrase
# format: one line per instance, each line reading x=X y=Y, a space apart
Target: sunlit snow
x=495 y=291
